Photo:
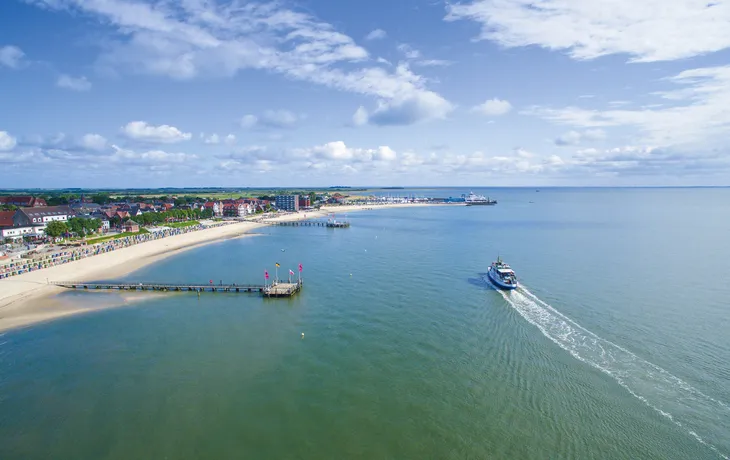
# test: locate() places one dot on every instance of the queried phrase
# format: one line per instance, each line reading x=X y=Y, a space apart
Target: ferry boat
x=502 y=275
x=478 y=200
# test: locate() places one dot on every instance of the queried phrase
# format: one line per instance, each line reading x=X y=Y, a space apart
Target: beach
x=28 y=298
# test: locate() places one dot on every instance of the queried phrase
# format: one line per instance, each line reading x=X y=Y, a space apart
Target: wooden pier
x=310 y=223
x=276 y=289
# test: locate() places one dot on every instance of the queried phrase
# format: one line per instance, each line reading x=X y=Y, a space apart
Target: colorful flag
x=266 y=274
x=277 y=264
x=300 y=267
x=291 y=272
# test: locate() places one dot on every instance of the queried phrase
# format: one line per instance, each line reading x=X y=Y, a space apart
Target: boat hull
x=498 y=282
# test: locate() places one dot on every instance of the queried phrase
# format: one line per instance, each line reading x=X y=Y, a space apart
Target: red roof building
x=23 y=201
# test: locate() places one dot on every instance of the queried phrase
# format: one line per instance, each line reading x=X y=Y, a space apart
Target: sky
x=204 y=93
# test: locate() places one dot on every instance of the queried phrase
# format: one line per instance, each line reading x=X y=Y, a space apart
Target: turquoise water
x=615 y=347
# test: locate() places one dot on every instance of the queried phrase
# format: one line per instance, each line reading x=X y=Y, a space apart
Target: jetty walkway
x=310 y=223
x=276 y=289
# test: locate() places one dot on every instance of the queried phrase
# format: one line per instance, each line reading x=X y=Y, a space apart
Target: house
x=235 y=209
x=9 y=230
x=23 y=201
x=215 y=206
x=305 y=201
x=131 y=226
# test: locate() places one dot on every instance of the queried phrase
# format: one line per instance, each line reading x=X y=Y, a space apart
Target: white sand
x=24 y=298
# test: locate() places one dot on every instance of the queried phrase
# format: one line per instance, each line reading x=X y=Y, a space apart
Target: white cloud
x=575 y=137
x=196 y=38
x=404 y=111
x=11 y=56
x=149 y=157
x=271 y=119
x=141 y=131
x=73 y=83
x=588 y=30
x=249 y=121
x=697 y=113
x=216 y=139
x=7 y=142
x=93 y=142
x=376 y=34
x=408 y=51
x=493 y=107
x=433 y=63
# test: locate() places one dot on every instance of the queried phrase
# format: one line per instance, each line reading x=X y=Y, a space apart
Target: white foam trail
x=675 y=399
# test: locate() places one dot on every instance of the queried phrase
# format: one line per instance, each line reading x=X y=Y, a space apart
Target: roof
x=45 y=211
x=6 y=218
x=130 y=222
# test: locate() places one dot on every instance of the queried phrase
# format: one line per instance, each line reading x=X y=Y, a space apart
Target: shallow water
x=615 y=346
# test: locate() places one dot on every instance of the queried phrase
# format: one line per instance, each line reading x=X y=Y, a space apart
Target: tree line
x=74 y=225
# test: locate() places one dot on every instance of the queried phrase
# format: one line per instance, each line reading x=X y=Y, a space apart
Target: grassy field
x=189 y=223
x=114 y=237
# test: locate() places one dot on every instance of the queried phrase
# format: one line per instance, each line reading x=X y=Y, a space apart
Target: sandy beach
x=27 y=299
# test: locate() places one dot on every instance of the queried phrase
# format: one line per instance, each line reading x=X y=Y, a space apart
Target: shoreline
x=27 y=299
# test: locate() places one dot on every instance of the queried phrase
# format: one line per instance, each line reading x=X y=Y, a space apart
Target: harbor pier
x=275 y=289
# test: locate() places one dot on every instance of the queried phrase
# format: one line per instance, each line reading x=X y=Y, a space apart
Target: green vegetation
x=189 y=223
x=56 y=228
x=161 y=218
x=115 y=237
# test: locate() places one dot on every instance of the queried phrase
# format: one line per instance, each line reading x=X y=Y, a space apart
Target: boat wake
x=703 y=417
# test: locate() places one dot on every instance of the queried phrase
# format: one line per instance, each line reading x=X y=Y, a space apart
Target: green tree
x=56 y=228
x=75 y=225
x=312 y=198
x=101 y=198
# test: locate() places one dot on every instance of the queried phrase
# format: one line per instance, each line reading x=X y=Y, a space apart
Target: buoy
x=350 y=274
x=302 y=334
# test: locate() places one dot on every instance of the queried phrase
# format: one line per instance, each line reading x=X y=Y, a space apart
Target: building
x=8 y=228
x=23 y=201
x=40 y=216
x=215 y=206
x=305 y=201
x=287 y=202
x=131 y=226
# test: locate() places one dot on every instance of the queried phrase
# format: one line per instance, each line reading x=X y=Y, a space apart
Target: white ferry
x=502 y=275
x=478 y=200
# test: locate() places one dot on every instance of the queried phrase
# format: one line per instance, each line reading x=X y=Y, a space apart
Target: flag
x=291 y=272
x=300 y=267
x=277 y=265
x=266 y=274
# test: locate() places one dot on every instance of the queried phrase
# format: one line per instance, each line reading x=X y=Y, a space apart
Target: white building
x=38 y=218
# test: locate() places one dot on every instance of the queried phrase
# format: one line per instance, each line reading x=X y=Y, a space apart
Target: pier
x=275 y=289
x=311 y=223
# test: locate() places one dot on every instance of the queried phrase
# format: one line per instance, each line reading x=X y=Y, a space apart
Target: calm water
x=617 y=345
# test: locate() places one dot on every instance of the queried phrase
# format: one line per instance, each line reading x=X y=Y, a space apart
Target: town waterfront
x=615 y=347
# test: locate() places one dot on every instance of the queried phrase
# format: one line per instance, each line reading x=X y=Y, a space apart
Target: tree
x=312 y=198
x=101 y=198
x=76 y=226
x=56 y=228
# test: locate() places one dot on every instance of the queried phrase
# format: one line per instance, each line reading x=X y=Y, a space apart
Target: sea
x=615 y=346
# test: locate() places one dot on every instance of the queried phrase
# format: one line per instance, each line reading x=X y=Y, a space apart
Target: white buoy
x=302 y=334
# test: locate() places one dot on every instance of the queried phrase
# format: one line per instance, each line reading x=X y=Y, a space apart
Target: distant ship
x=478 y=200
x=502 y=275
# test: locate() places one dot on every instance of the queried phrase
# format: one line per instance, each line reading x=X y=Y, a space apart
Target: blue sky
x=139 y=93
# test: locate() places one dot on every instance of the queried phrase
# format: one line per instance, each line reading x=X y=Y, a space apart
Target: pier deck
x=309 y=223
x=267 y=290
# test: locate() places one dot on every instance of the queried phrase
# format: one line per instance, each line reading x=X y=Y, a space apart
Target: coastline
x=27 y=299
